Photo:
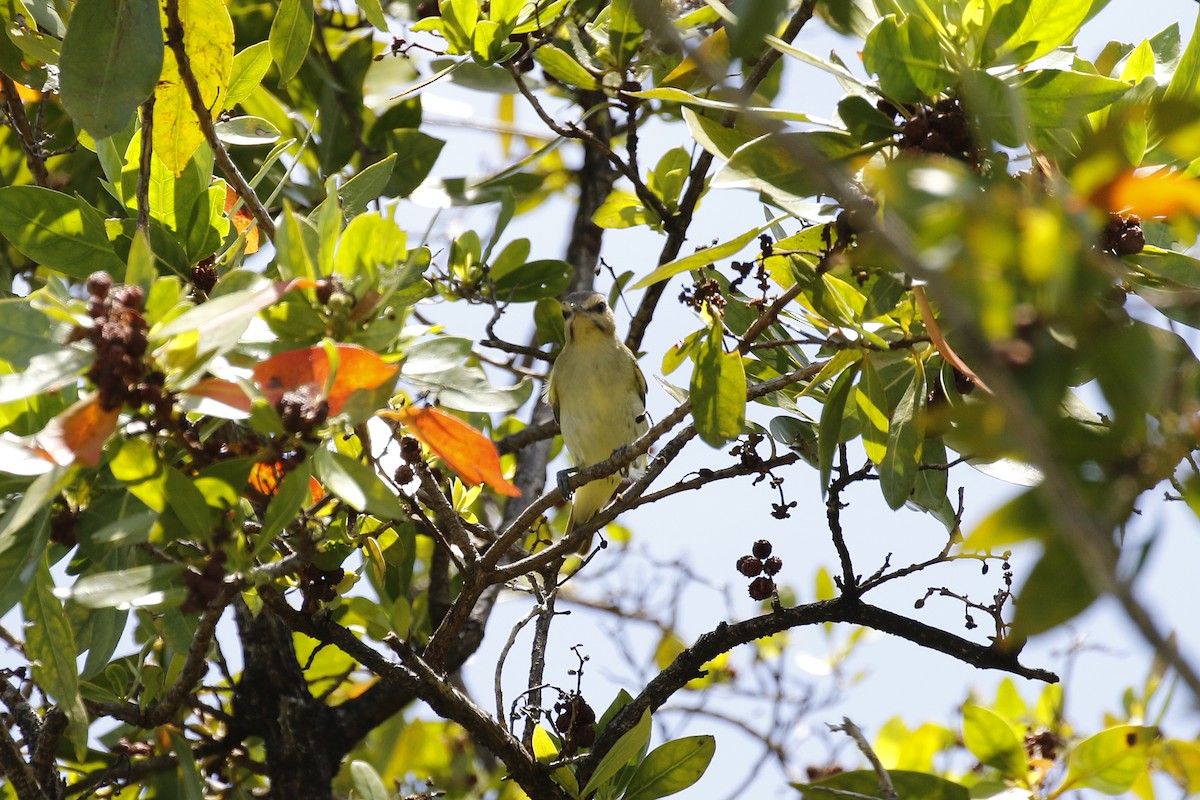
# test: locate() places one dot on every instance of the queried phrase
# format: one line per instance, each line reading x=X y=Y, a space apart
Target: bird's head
x=587 y=315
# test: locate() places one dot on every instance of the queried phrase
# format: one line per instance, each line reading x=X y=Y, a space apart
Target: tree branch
x=175 y=34
x=846 y=608
x=14 y=109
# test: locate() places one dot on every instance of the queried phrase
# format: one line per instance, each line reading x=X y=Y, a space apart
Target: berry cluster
x=301 y=412
x=1123 y=236
x=318 y=586
x=575 y=721
x=118 y=333
x=940 y=129
x=204 y=277
x=754 y=565
x=204 y=586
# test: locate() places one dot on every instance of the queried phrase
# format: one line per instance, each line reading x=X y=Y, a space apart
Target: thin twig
x=147 y=154
x=887 y=790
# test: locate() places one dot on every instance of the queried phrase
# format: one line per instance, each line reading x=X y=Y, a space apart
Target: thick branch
x=688 y=664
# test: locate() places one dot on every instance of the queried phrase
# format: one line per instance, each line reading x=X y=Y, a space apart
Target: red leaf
x=222 y=391
x=358 y=369
x=77 y=435
x=465 y=450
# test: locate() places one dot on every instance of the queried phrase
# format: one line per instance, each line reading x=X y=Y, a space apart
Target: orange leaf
x=465 y=450
x=242 y=220
x=1159 y=194
x=77 y=435
x=358 y=369
x=222 y=391
x=266 y=477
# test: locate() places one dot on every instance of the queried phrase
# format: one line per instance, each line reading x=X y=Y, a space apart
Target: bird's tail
x=588 y=501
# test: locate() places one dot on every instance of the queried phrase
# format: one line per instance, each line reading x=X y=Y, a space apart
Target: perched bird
x=598 y=394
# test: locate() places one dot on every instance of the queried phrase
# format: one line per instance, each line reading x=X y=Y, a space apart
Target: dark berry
x=410 y=449
x=761 y=548
x=324 y=291
x=404 y=474
x=772 y=565
x=749 y=566
x=761 y=588
x=204 y=277
x=131 y=297
x=98 y=284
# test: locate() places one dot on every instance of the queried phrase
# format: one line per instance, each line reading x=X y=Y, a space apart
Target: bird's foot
x=562 y=478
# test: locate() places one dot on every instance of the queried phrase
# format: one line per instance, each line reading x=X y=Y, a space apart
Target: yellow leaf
x=208 y=41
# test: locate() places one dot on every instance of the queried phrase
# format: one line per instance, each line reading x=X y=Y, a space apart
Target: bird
x=598 y=395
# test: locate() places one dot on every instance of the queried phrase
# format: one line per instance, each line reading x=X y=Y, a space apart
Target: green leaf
x=873 y=410
x=624 y=31
x=291 y=31
x=898 y=470
x=1055 y=98
x=671 y=94
x=1185 y=82
x=865 y=783
x=622 y=752
x=779 y=163
x=366 y=186
x=247 y=131
x=1111 y=761
x=1020 y=519
x=834 y=408
x=286 y=504
x=112 y=56
x=907 y=57
x=755 y=20
x=373 y=11
x=706 y=256
x=995 y=742
x=151 y=586
x=718 y=391
x=559 y=64
x=671 y=767
x=531 y=281
x=50 y=648
x=160 y=486
x=417 y=152
x=356 y=484
x=24 y=332
x=20 y=548
x=57 y=231
x=1057 y=590
x=249 y=68
x=367 y=782
x=44 y=372
x=1045 y=25
x=189 y=783
x=623 y=209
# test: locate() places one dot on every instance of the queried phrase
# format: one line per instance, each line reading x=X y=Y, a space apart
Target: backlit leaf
x=208 y=42
x=671 y=767
x=1111 y=761
x=77 y=435
x=992 y=740
x=718 y=391
x=466 y=451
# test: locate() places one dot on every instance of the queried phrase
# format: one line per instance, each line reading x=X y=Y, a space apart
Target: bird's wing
x=640 y=378
x=552 y=395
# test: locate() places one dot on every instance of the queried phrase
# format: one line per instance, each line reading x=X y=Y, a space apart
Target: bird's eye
x=599 y=307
